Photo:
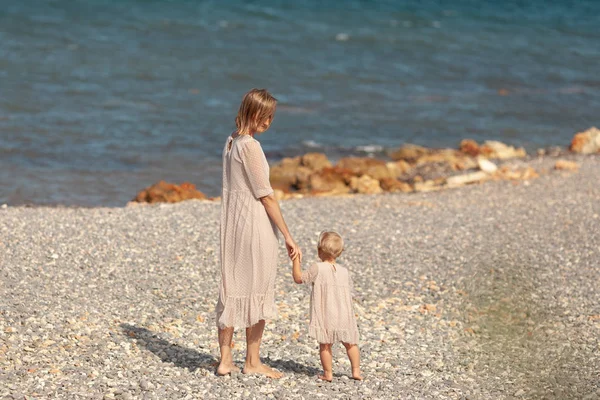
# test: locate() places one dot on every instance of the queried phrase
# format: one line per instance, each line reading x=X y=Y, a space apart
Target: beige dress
x=249 y=242
x=332 y=317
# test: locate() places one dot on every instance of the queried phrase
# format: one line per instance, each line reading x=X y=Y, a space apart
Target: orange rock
x=499 y=150
x=470 y=147
x=291 y=161
x=394 y=185
x=294 y=173
x=315 y=161
x=398 y=168
x=586 y=142
x=376 y=169
x=566 y=165
x=283 y=176
x=455 y=159
x=365 y=185
x=332 y=179
x=303 y=177
x=164 y=192
x=409 y=152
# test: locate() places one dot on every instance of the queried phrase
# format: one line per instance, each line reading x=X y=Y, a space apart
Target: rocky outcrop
x=409 y=152
x=372 y=167
x=294 y=173
x=164 y=192
x=395 y=185
x=586 y=142
x=365 y=185
x=499 y=150
x=333 y=180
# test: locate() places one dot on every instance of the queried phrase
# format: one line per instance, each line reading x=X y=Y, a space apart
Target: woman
x=250 y=218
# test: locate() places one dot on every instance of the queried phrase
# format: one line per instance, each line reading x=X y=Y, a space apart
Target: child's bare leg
x=354 y=356
x=226 y=366
x=325 y=352
x=253 y=364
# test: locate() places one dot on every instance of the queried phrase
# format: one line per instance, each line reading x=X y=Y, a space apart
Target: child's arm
x=296 y=271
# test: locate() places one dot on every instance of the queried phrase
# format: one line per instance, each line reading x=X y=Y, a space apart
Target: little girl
x=331 y=313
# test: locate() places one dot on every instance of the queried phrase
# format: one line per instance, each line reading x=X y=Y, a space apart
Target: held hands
x=293 y=249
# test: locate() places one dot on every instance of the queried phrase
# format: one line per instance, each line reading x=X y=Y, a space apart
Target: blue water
x=99 y=99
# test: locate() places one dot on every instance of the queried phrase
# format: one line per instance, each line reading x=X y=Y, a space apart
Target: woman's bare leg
x=354 y=356
x=326 y=360
x=253 y=364
x=226 y=366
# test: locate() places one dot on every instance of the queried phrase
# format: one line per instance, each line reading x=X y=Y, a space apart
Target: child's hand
x=298 y=257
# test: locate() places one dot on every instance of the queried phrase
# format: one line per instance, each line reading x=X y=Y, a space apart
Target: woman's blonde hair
x=331 y=244
x=257 y=106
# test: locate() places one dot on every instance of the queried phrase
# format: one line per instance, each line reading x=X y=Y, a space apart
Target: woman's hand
x=293 y=249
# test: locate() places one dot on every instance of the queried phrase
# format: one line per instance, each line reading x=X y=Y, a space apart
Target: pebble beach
x=485 y=292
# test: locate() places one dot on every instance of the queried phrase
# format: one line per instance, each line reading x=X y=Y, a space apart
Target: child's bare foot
x=356 y=374
x=226 y=369
x=262 y=369
x=327 y=376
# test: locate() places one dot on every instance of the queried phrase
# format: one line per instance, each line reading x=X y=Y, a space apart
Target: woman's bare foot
x=262 y=369
x=226 y=369
x=327 y=376
x=356 y=374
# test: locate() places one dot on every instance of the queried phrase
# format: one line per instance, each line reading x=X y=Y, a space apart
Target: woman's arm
x=274 y=212
x=296 y=271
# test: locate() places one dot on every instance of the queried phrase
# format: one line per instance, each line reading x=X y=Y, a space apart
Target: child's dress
x=332 y=317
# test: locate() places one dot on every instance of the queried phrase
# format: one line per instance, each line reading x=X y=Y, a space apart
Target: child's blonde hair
x=257 y=106
x=331 y=244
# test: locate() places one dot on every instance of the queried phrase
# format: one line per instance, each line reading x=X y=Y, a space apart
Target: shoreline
x=545 y=164
x=407 y=168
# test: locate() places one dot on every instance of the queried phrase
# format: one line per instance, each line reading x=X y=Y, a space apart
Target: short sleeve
x=254 y=161
x=310 y=275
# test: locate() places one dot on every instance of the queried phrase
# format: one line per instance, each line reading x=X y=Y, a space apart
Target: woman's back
x=245 y=168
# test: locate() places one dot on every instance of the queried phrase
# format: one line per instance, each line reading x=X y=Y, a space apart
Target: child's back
x=331 y=313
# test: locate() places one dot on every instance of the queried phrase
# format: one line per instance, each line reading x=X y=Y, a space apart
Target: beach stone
x=376 y=169
x=164 y=192
x=293 y=162
x=486 y=165
x=455 y=159
x=586 y=142
x=283 y=176
x=331 y=179
x=315 y=161
x=365 y=185
x=566 y=165
x=427 y=186
x=294 y=173
x=398 y=168
x=409 y=152
x=470 y=147
x=499 y=150
x=460 y=180
x=394 y=185
x=303 y=177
